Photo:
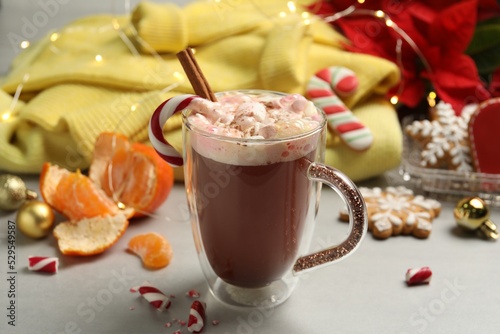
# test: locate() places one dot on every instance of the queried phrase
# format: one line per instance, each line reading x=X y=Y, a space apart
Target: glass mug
x=253 y=218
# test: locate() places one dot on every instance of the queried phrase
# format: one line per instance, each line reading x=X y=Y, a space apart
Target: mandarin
x=154 y=250
x=73 y=194
x=132 y=174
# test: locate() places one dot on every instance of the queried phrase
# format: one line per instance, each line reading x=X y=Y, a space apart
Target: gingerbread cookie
x=396 y=210
x=484 y=138
x=444 y=139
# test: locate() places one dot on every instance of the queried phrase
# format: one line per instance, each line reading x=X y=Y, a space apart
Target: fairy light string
x=292 y=10
x=123 y=32
x=402 y=35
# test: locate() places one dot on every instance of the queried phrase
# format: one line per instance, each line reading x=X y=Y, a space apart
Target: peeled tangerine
x=122 y=174
x=74 y=194
x=154 y=250
x=130 y=173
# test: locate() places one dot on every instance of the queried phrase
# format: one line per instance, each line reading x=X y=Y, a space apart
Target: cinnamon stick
x=195 y=75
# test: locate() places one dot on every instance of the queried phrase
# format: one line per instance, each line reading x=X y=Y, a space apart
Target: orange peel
x=90 y=236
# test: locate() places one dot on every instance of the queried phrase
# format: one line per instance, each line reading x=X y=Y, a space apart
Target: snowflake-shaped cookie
x=444 y=138
x=396 y=210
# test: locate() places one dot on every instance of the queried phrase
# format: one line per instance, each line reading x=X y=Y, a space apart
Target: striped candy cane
x=153 y=295
x=197 y=317
x=416 y=276
x=322 y=89
x=43 y=264
x=158 y=120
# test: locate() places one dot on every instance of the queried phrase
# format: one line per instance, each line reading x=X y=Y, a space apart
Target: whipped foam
x=260 y=127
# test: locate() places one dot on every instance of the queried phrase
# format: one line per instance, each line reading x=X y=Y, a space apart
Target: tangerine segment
x=74 y=194
x=154 y=250
x=106 y=145
x=160 y=177
x=132 y=174
x=90 y=236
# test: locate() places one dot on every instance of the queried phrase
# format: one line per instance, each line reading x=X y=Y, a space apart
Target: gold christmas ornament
x=13 y=192
x=472 y=213
x=35 y=219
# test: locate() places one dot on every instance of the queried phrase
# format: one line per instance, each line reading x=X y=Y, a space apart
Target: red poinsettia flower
x=495 y=83
x=437 y=35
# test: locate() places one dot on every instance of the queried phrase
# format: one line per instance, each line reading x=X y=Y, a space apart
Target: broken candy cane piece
x=43 y=264
x=193 y=293
x=417 y=276
x=197 y=317
x=153 y=295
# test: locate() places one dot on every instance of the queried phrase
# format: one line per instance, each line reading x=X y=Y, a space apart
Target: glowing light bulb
x=116 y=25
x=24 y=44
x=282 y=14
x=98 y=58
x=133 y=107
x=6 y=115
x=361 y=1
x=394 y=100
x=307 y=22
x=389 y=22
x=178 y=76
x=291 y=6
x=305 y=15
x=54 y=36
x=379 y=13
x=431 y=99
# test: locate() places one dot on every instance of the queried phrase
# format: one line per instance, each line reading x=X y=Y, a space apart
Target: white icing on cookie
x=445 y=138
x=382 y=225
x=424 y=225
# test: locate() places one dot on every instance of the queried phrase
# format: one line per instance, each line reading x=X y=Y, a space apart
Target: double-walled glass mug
x=253 y=204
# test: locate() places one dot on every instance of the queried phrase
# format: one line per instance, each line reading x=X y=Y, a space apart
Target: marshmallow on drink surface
x=237 y=117
x=264 y=116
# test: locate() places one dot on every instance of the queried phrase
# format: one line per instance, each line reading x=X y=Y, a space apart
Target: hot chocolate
x=253 y=170
x=252 y=196
x=251 y=228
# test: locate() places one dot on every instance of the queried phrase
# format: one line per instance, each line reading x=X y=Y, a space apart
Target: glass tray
x=445 y=184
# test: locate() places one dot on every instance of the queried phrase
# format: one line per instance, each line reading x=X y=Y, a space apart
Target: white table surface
x=366 y=293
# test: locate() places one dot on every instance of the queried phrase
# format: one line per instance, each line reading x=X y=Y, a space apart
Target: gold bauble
x=472 y=213
x=13 y=192
x=35 y=219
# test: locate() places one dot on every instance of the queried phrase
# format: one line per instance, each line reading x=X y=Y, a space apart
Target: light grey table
x=365 y=293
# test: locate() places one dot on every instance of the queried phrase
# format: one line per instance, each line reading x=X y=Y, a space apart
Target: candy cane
x=43 y=264
x=197 y=317
x=418 y=276
x=322 y=89
x=158 y=120
x=153 y=295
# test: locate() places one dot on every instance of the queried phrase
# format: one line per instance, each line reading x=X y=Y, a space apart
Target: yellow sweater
x=108 y=73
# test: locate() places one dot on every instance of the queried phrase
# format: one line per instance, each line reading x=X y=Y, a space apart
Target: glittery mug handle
x=358 y=223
